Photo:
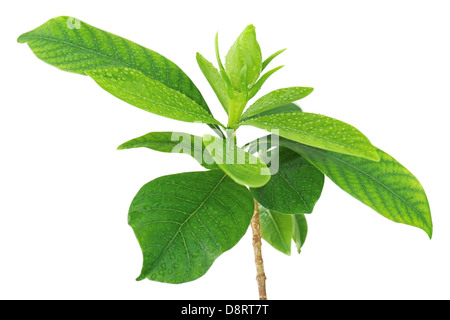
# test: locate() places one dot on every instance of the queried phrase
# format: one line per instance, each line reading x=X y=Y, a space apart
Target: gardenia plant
x=184 y=221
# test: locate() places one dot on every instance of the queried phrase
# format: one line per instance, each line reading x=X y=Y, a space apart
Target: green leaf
x=279 y=229
x=183 y=222
x=258 y=85
x=85 y=48
x=221 y=67
x=143 y=92
x=299 y=231
x=295 y=188
x=276 y=99
x=385 y=186
x=286 y=108
x=318 y=131
x=276 y=229
x=269 y=59
x=215 y=80
x=241 y=166
x=245 y=52
x=174 y=142
x=261 y=144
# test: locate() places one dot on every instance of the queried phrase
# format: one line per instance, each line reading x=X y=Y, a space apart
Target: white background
x=382 y=66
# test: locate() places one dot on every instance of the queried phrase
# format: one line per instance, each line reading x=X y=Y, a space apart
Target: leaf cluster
x=183 y=222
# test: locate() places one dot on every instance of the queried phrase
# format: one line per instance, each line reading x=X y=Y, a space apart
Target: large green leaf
x=276 y=99
x=85 y=48
x=295 y=188
x=276 y=229
x=385 y=186
x=241 y=166
x=183 y=222
x=318 y=131
x=143 y=92
x=299 y=230
x=174 y=142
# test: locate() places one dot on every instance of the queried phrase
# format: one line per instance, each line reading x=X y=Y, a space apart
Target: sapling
x=184 y=221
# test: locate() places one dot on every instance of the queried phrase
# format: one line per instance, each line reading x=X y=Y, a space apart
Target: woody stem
x=260 y=275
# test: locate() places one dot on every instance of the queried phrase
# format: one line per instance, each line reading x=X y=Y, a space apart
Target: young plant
x=184 y=221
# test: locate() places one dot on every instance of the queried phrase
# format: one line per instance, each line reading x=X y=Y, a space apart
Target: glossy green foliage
x=318 y=131
x=174 y=142
x=271 y=57
x=299 y=231
x=287 y=108
x=276 y=229
x=243 y=62
x=295 y=188
x=258 y=85
x=143 y=92
x=183 y=222
x=241 y=166
x=280 y=229
x=85 y=49
x=275 y=99
x=215 y=80
x=385 y=186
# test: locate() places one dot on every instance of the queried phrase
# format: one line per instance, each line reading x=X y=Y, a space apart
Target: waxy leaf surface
x=183 y=222
x=385 y=186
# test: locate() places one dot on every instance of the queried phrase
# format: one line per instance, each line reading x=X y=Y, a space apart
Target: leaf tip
x=141 y=277
x=22 y=38
x=373 y=155
x=429 y=232
x=123 y=146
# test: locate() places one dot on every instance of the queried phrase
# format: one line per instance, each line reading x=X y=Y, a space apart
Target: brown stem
x=260 y=275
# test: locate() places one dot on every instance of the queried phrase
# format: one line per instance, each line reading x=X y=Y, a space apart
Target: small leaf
x=183 y=222
x=385 y=186
x=219 y=62
x=269 y=59
x=258 y=85
x=241 y=166
x=318 y=131
x=215 y=80
x=143 y=92
x=174 y=142
x=245 y=52
x=299 y=231
x=86 y=48
x=295 y=188
x=276 y=229
x=276 y=99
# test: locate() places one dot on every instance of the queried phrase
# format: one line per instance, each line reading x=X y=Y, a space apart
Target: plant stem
x=260 y=275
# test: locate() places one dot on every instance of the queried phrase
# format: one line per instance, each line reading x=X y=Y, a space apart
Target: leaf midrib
x=115 y=60
x=292 y=187
x=87 y=49
x=213 y=121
